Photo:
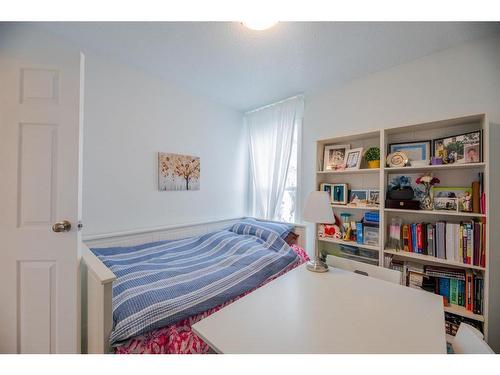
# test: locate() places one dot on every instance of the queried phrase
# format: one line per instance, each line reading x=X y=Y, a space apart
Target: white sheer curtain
x=271 y=135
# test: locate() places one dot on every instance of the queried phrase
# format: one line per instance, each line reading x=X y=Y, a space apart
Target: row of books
x=458 y=287
x=463 y=243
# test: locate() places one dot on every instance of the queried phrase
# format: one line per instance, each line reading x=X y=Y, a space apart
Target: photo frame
x=339 y=194
x=463 y=196
x=445 y=204
x=462 y=148
x=353 y=158
x=416 y=151
x=358 y=197
x=328 y=188
x=334 y=157
x=374 y=196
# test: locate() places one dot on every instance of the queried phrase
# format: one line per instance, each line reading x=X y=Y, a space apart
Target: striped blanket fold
x=161 y=283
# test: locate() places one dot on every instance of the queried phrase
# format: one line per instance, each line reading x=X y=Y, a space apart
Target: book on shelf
x=457 y=242
x=458 y=287
x=464 y=289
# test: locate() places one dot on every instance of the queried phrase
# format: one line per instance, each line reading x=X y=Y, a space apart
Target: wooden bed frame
x=97 y=279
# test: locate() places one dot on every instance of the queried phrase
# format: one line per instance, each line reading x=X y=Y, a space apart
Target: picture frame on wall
x=178 y=172
x=339 y=193
x=334 y=157
x=462 y=149
x=353 y=158
x=416 y=151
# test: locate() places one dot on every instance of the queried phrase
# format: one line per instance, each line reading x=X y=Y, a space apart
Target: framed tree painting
x=178 y=172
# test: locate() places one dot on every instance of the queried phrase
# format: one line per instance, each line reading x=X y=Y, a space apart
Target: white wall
x=457 y=81
x=129 y=117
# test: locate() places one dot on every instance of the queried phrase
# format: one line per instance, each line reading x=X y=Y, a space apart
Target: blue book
x=444 y=288
x=359 y=233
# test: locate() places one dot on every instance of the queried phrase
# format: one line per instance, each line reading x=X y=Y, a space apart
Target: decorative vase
x=426 y=202
x=373 y=164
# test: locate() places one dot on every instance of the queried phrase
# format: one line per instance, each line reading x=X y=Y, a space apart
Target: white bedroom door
x=40 y=145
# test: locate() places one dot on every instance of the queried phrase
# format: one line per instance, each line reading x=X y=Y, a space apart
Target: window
x=289 y=204
x=274 y=142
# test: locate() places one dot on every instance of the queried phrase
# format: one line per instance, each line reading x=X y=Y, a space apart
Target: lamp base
x=317 y=265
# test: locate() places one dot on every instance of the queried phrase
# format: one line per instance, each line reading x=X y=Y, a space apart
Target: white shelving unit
x=450 y=175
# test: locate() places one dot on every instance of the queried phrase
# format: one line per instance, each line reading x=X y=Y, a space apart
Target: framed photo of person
x=374 y=196
x=353 y=158
x=339 y=193
x=328 y=188
x=416 y=151
x=334 y=157
x=462 y=148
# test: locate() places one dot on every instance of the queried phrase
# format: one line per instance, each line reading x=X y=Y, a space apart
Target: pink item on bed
x=179 y=338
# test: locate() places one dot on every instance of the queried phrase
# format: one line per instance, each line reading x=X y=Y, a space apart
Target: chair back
x=470 y=341
x=365 y=269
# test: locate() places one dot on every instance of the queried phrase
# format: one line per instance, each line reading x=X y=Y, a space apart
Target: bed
x=143 y=290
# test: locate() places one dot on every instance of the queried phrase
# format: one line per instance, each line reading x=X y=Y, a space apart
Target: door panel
x=40 y=104
x=37 y=292
x=37 y=164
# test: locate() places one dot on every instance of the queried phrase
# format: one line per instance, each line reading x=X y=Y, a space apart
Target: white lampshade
x=318 y=208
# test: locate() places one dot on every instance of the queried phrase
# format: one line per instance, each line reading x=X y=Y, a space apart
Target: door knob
x=61 y=226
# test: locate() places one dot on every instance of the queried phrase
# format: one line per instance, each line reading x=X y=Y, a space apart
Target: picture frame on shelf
x=358 y=197
x=463 y=148
x=339 y=193
x=445 y=204
x=374 y=196
x=328 y=188
x=334 y=157
x=463 y=196
x=353 y=158
x=416 y=151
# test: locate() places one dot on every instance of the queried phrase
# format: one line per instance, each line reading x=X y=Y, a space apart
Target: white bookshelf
x=450 y=175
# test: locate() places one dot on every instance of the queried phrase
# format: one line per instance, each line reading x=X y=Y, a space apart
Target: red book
x=483 y=203
x=469 y=290
x=420 y=242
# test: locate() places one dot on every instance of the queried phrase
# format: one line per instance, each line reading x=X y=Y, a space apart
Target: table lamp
x=318 y=209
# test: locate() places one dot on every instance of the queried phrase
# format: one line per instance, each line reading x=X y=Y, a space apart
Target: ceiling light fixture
x=259 y=25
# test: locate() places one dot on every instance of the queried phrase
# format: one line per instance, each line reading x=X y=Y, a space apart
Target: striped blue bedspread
x=159 y=284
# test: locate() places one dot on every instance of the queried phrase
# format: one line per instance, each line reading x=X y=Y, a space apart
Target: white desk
x=334 y=312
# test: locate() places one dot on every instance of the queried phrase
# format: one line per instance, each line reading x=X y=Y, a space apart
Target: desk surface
x=333 y=312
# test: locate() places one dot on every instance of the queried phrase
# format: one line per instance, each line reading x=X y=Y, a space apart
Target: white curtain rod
x=278 y=102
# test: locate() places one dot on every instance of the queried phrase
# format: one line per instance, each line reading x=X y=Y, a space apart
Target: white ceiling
x=245 y=69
